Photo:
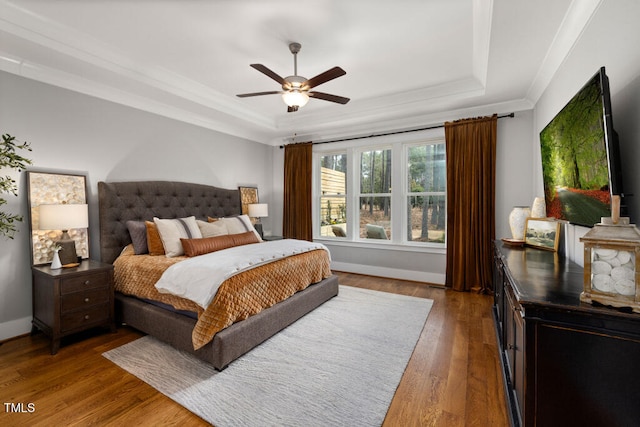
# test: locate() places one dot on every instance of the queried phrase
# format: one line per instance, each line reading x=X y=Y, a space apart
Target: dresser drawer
x=84 y=318
x=87 y=281
x=76 y=300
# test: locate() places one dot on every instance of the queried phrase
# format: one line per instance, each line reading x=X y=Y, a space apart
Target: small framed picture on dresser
x=542 y=233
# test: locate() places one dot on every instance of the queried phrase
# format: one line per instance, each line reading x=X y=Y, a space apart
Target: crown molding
x=373 y=110
x=211 y=120
x=575 y=21
x=65 y=57
x=416 y=121
x=163 y=92
x=482 y=15
x=84 y=50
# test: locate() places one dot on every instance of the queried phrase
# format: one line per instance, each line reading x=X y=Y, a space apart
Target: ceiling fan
x=296 y=90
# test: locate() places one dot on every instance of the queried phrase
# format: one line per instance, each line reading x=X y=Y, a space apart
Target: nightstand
x=271 y=238
x=70 y=300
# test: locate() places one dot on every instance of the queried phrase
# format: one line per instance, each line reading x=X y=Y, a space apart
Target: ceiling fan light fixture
x=295 y=98
x=296 y=90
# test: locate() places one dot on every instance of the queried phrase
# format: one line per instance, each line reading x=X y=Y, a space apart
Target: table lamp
x=64 y=217
x=258 y=210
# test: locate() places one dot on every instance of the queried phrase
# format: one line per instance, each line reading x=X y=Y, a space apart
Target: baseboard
x=15 y=328
x=391 y=273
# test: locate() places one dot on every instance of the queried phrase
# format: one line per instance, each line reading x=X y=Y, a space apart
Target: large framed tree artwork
x=580 y=157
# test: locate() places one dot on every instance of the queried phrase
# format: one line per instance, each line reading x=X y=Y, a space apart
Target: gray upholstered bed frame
x=124 y=201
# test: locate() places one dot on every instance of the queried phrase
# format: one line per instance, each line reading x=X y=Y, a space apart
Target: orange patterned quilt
x=239 y=297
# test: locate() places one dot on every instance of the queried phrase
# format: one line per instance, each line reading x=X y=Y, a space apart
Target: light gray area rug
x=338 y=366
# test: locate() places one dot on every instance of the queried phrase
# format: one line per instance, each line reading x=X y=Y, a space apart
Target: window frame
x=408 y=193
x=399 y=191
x=317 y=196
x=357 y=154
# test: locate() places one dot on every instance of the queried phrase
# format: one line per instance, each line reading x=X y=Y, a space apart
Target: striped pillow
x=172 y=230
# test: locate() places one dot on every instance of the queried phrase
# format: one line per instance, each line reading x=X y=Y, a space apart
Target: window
x=333 y=195
x=393 y=193
x=426 y=196
x=375 y=194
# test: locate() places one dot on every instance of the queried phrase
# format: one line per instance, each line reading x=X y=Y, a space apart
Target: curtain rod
x=395 y=132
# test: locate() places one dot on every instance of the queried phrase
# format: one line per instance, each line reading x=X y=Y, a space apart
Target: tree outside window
x=398 y=193
x=375 y=194
x=426 y=193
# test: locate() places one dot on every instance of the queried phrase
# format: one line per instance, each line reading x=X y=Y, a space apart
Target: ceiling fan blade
x=245 y=95
x=331 y=74
x=329 y=97
x=267 y=72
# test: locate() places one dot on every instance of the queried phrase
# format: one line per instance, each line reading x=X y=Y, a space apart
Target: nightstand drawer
x=81 y=318
x=87 y=298
x=87 y=281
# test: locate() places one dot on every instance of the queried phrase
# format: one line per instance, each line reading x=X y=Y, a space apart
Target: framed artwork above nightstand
x=46 y=188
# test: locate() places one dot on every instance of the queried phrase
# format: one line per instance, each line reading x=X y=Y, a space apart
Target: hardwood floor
x=452 y=379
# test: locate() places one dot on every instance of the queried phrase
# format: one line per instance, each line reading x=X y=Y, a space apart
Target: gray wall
x=513 y=187
x=610 y=40
x=75 y=133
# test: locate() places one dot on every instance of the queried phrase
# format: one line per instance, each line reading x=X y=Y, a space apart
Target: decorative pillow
x=244 y=238
x=138 y=233
x=194 y=247
x=154 y=243
x=172 y=230
x=212 y=229
x=238 y=224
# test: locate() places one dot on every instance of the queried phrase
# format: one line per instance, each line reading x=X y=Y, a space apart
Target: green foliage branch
x=9 y=158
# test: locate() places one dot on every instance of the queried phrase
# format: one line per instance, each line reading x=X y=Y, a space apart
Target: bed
x=120 y=202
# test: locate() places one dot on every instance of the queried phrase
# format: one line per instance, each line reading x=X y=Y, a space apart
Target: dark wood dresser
x=565 y=363
x=70 y=300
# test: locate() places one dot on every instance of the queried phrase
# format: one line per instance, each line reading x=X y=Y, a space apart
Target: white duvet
x=199 y=278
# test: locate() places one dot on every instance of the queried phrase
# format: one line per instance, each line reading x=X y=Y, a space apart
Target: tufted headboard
x=142 y=200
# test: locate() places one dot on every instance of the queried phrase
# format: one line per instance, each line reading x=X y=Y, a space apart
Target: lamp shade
x=258 y=210
x=64 y=216
x=295 y=98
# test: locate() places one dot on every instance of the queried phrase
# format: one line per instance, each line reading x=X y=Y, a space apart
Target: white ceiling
x=409 y=63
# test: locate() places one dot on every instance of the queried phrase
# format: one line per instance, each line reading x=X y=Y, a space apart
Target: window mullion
x=398 y=185
x=353 y=190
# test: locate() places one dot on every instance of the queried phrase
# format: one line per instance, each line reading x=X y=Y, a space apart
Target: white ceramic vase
x=538 y=209
x=56 y=264
x=517 y=219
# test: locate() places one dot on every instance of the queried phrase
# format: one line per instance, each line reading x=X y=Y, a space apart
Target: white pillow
x=172 y=230
x=212 y=229
x=239 y=224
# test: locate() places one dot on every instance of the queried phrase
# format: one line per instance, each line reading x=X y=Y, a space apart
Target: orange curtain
x=471 y=177
x=296 y=223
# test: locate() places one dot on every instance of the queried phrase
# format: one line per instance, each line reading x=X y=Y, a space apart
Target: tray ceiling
x=408 y=63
